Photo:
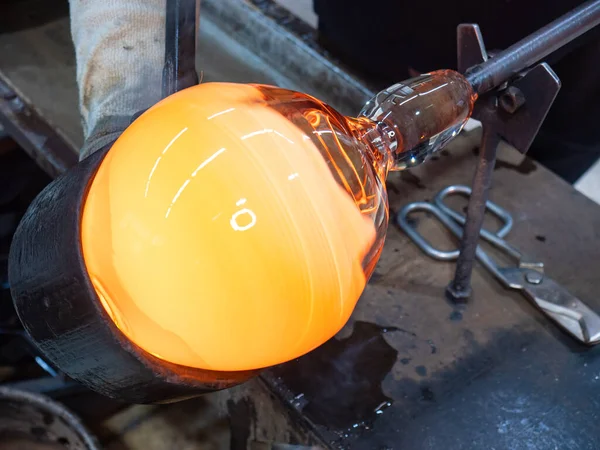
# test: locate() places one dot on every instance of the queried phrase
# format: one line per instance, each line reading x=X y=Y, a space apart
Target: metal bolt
x=534 y=277
x=458 y=295
x=512 y=99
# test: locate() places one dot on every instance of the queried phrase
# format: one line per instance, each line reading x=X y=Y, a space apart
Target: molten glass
x=234 y=227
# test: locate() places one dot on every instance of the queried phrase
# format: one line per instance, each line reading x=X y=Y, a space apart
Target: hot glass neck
x=407 y=122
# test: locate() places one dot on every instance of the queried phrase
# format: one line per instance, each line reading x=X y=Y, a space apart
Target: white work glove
x=119 y=48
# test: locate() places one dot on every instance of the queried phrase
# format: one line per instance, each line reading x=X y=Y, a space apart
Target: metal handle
x=454 y=227
x=498 y=211
x=493 y=238
x=418 y=239
x=570 y=313
x=451 y=218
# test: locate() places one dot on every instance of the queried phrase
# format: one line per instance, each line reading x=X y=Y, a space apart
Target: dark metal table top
x=412 y=371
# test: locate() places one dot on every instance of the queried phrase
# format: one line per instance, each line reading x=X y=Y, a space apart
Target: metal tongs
x=566 y=310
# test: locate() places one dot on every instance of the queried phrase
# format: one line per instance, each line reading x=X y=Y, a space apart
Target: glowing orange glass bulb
x=234 y=227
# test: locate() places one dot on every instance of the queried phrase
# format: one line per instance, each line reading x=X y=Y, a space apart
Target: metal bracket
x=517 y=111
x=525 y=104
x=514 y=113
x=471 y=49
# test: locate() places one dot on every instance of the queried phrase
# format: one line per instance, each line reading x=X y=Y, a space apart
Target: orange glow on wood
x=216 y=236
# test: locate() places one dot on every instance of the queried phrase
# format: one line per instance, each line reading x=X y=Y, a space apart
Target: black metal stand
x=460 y=289
x=514 y=112
x=179 y=71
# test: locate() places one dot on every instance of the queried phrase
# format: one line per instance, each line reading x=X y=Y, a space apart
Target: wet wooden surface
x=409 y=370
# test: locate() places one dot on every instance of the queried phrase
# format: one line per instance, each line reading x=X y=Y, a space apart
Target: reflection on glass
x=234 y=227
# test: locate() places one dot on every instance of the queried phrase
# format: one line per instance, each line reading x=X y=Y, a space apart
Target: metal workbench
x=495 y=374
x=410 y=370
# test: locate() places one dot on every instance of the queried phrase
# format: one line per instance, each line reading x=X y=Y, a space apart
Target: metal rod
x=459 y=290
x=535 y=47
x=182 y=23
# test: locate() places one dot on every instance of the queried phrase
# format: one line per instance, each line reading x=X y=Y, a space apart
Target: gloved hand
x=119 y=47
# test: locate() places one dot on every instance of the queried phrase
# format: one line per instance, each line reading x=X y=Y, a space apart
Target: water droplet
x=382 y=407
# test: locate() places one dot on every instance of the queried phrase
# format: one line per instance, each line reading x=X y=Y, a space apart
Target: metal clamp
x=567 y=311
